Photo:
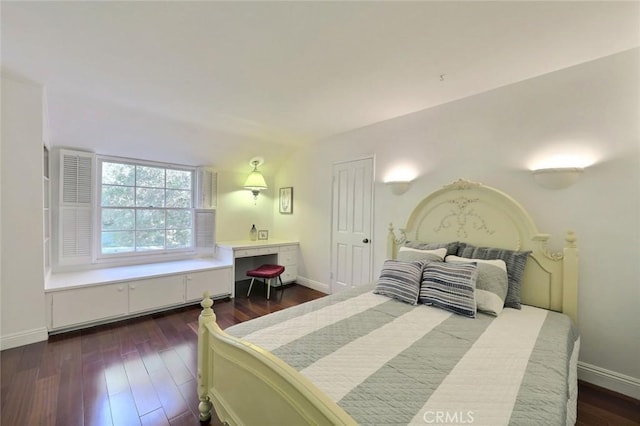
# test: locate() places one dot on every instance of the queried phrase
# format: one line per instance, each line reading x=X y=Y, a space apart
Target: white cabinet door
x=216 y=282
x=290 y=274
x=288 y=257
x=156 y=293
x=88 y=304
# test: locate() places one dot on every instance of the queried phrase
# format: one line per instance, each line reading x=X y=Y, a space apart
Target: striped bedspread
x=387 y=362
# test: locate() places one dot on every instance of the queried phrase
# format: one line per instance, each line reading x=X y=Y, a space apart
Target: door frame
x=372 y=157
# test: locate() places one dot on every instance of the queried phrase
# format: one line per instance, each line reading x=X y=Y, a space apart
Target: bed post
x=206 y=317
x=570 y=277
x=393 y=242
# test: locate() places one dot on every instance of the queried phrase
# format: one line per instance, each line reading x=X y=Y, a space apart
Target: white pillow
x=409 y=254
x=492 y=283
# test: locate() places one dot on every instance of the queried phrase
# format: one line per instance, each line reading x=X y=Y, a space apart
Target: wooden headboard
x=484 y=216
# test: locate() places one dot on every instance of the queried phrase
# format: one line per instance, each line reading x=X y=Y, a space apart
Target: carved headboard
x=484 y=216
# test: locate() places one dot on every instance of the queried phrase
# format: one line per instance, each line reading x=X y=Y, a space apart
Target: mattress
x=388 y=362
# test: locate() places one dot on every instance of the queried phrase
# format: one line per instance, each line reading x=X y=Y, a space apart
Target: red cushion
x=266 y=271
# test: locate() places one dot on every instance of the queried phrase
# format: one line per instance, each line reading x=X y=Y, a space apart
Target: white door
x=351 y=224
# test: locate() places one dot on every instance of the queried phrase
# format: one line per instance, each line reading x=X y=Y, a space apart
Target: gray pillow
x=491 y=285
x=450 y=286
x=515 y=261
x=452 y=247
x=400 y=280
x=408 y=254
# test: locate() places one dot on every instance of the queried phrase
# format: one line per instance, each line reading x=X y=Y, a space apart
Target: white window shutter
x=75 y=234
x=76 y=178
x=207 y=188
x=76 y=207
x=205 y=231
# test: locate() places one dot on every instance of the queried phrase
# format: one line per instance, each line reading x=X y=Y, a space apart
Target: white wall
x=22 y=274
x=237 y=210
x=110 y=129
x=493 y=138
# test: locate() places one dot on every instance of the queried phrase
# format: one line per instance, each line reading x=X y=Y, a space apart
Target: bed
x=370 y=356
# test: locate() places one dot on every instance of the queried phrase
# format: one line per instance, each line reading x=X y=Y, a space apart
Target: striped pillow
x=450 y=286
x=491 y=284
x=400 y=280
x=515 y=260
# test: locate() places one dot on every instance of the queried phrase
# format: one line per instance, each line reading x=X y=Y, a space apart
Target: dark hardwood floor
x=599 y=406
x=142 y=371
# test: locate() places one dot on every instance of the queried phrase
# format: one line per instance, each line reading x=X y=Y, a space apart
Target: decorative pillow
x=452 y=247
x=450 y=286
x=407 y=254
x=515 y=260
x=400 y=280
x=491 y=285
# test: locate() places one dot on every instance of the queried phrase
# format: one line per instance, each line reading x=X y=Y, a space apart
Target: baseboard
x=22 y=338
x=608 y=379
x=316 y=285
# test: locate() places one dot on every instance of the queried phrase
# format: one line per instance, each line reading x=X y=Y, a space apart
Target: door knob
x=366 y=240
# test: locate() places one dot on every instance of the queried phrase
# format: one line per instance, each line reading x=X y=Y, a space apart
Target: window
x=144 y=208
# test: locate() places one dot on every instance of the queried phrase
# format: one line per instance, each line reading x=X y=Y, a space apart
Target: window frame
x=158 y=254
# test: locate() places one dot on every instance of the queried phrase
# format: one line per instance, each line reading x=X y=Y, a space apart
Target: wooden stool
x=266 y=272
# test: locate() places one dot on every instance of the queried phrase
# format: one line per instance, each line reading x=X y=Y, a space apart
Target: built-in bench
x=83 y=298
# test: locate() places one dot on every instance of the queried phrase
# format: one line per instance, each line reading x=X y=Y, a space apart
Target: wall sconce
x=398 y=187
x=398 y=178
x=255 y=181
x=557 y=177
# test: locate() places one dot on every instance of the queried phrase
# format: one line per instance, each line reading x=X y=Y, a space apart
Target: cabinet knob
x=120 y=288
x=366 y=240
x=133 y=287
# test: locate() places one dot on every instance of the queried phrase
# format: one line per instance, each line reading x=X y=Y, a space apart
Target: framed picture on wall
x=263 y=234
x=286 y=200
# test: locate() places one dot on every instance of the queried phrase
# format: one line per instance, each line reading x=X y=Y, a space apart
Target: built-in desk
x=246 y=255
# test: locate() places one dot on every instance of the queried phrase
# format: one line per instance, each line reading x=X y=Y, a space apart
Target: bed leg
x=204 y=407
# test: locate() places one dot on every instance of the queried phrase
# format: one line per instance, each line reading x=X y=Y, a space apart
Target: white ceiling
x=288 y=73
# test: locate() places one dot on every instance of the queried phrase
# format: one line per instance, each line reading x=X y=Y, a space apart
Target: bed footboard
x=246 y=384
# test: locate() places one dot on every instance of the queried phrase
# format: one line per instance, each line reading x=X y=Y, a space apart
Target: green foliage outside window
x=145 y=208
